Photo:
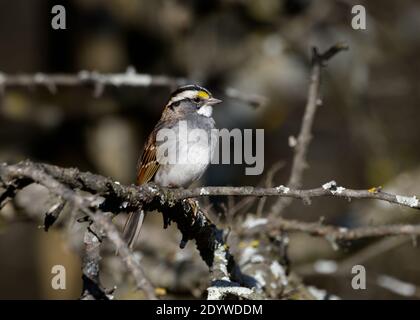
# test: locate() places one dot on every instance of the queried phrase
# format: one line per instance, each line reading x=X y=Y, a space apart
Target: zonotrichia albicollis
x=189 y=106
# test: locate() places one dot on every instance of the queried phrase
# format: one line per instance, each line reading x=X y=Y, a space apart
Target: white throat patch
x=206 y=111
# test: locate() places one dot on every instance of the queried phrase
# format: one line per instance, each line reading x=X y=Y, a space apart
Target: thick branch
x=130 y=197
x=118 y=198
x=170 y=202
x=221 y=285
x=32 y=172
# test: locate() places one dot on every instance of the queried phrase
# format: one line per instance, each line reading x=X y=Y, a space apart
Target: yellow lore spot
x=203 y=94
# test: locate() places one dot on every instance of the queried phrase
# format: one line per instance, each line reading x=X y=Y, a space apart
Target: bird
x=189 y=107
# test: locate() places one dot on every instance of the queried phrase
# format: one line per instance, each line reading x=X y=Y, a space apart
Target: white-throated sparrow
x=182 y=159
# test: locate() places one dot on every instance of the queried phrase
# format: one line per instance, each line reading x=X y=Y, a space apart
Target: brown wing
x=148 y=164
x=146 y=169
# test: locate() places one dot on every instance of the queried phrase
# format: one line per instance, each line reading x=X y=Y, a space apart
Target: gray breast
x=194 y=145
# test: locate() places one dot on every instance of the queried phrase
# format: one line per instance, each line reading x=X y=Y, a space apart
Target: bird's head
x=189 y=99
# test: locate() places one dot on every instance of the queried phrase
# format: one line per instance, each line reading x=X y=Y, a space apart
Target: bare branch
x=330 y=189
x=133 y=196
x=98 y=80
x=221 y=285
x=130 y=78
x=302 y=142
x=209 y=239
x=219 y=291
x=332 y=233
x=90 y=267
x=118 y=198
x=32 y=172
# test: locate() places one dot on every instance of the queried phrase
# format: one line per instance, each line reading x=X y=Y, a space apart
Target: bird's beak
x=213 y=101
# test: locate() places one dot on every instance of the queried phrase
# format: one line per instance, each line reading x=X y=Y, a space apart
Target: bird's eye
x=174 y=104
x=196 y=99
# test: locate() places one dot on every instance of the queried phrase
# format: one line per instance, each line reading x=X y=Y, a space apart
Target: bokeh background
x=366 y=133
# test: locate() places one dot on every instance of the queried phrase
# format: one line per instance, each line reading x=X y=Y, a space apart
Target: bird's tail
x=133 y=226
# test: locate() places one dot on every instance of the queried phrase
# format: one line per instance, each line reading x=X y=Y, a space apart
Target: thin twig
x=329 y=189
x=269 y=182
x=130 y=78
x=302 y=142
x=333 y=232
x=244 y=204
x=98 y=80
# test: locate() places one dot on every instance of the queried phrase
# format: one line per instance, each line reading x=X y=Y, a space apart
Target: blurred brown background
x=365 y=135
